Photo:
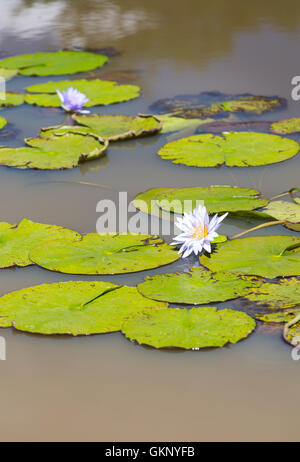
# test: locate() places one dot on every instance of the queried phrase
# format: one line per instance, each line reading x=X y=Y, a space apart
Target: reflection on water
x=104 y=387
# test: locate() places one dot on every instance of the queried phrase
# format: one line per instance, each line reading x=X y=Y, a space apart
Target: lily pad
x=8 y=99
x=75 y=308
x=220 y=126
x=285 y=127
x=110 y=127
x=188 y=329
x=291 y=332
x=215 y=198
x=105 y=254
x=3 y=122
x=285 y=294
x=172 y=123
x=268 y=256
x=54 y=63
x=8 y=74
x=214 y=104
x=16 y=241
x=58 y=152
x=282 y=316
x=147 y=201
x=197 y=287
x=283 y=210
x=235 y=149
x=99 y=92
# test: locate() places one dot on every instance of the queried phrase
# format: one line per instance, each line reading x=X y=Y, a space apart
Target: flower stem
x=264 y=225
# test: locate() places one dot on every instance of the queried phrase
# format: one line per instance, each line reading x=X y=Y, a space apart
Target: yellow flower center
x=200 y=232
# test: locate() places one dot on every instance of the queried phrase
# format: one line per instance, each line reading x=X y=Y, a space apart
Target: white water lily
x=198 y=231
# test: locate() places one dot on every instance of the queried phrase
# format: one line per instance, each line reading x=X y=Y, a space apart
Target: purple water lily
x=73 y=100
x=198 y=231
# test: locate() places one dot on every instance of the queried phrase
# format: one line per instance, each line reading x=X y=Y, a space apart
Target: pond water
x=104 y=387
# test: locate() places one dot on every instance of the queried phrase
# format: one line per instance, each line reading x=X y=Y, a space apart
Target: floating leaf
x=105 y=254
x=76 y=308
x=283 y=210
x=3 y=122
x=147 y=201
x=16 y=241
x=215 y=199
x=58 y=152
x=291 y=332
x=232 y=149
x=8 y=99
x=110 y=127
x=220 y=126
x=188 y=329
x=285 y=127
x=172 y=123
x=278 y=316
x=99 y=92
x=285 y=294
x=197 y=287
x=8 y=74
x=212 y=104
x=54 y=63
x=268 y=256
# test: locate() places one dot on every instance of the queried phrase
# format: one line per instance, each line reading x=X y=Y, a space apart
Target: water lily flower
x=73 y=100
x=198 y=231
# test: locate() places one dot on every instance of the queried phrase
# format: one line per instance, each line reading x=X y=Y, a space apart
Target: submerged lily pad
x=215 y=199
x=283 y=210
x=3 y=122
x=268 y=256
x=9 y=98
x=237 y=149
x=188 y=329
x=8 y=74
x=16 y=241
x=220 y=126
x=212 y=104
x=75 y=308
x=110 y=127
x=58 y=152
x=285 y=127
x=54 y=63
x=99 y=92
x=104 y=254
x=197 y=287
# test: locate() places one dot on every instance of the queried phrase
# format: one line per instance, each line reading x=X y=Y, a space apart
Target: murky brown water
x=104 y=387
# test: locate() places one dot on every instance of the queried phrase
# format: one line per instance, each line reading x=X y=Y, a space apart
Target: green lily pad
x=197 y=287
x=8 y=74
x=232 y=149
x=282 y=316
x=188 y=329
x=105 y=254
x=285 y=127
x=54 y=63
x=268 y=256
x=110 y=127
x=147 y=201
x=9 y=98
x=58 y=152
x=3 y=122
x=75 y=308
x=285 y=294
x=16 y=241
x=283 y=210
x=171 y=123
x=213 y=104
x=215 y=199
x=99 y=92
x=291 y=332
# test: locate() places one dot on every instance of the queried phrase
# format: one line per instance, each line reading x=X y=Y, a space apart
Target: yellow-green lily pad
x=16 y=241
x=110 y=127
x=104 y=254
x=268 y=256
x=188 y=329
x=235 y=149
x=197 y=287
x=74 y=308
x=54 y=63
x=286 y=127
x=99 y=92
x=8 y=74
x=58 y=152
x=8 y=99
x=3 y=122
